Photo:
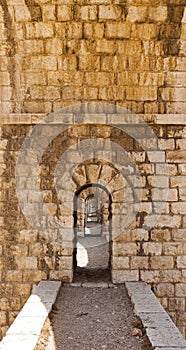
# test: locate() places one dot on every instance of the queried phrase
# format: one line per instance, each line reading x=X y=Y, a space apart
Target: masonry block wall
x=131 y=54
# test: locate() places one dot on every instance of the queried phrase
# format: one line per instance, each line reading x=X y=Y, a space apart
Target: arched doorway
x=92 y=230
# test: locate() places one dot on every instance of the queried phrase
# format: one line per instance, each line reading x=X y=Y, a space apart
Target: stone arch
x=84 y=154
x=102 y=173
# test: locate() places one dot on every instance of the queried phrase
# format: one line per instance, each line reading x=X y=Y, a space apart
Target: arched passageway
x=92 y=229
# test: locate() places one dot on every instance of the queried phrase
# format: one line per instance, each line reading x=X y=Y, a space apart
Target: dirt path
x=96 y=318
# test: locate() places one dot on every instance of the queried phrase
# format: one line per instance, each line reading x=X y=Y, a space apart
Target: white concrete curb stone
x=25 y=331
x=160 y=329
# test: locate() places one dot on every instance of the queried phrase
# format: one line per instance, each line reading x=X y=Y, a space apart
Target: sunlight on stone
x=82 y=256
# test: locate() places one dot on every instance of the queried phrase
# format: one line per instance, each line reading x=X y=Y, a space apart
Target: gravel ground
x=92 y=252
x=96 y=318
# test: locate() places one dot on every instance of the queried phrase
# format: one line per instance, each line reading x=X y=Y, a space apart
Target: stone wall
x=55 y=54
x=147 y=186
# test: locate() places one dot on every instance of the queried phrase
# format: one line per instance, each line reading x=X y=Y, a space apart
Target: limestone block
x=164 y=290
x=181 y=144
x=182 y=318
x=162 y=235
x=158 y=14
x=99 y=79
x=180 y=290
x=33 y=78
x=181 y=261
x=121 y=276
x=159 y=181
x=22 y=13
x=182 y=194
x=166 y=169
x=178 y=181
x=156 y=156
x=162 y=262
x=118 y=196
x=142 y=194
x=39 y=30
x=142 y=207
x=181 y=64
x=5 y=304
x=107 y=12
x=174 y=248
x=105 y=46
x=177 y=156
x=74 y=30
x=94 y=30
x=173 y=94
x=171 y=276
x=166 y=144
x=138 y=157
x=36 y=249
x=54 y=46
x=26 y=262
x=127 y=78
x=176 y=107
x=117 y=183
x=178 y=208
x=123 y=237
x=93 y=171
x=89 y=63
x=139 y=262
x=49 y=13
x=3 y=318
x=176 y=79
x=150 y=276
x=5 y=93
x=139 y=234
x=141 y=93
x=107 y=173
x=67 y=235
x=64 y=13
x=179 y=235
x=125 y=249
x=117 y=30
x=120 y=263
x=60 y=29
x=22 y=289
x=31 y=46
x=152 y=248
x=159 y=194
x=27 y=236
x=13 y=276
x=86 y=13
x=65 y=263
x=137 y=14
x=111 y=93
x=63 y=275
x=160 y=221
x=146 y=169
x=4 y=78
x=161 y=208
x=145 y=31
